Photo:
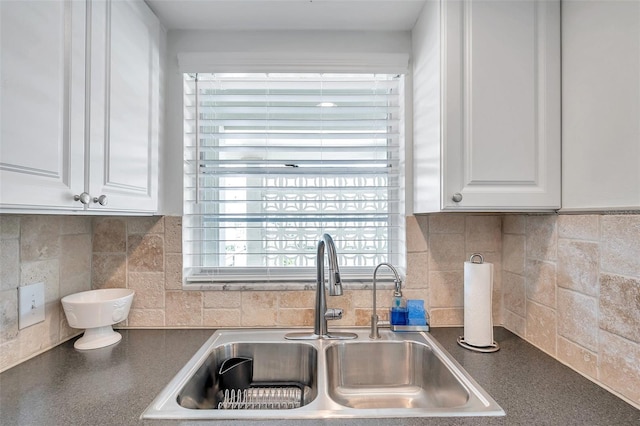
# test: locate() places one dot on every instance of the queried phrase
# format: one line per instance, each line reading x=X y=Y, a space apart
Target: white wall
x=259 y=43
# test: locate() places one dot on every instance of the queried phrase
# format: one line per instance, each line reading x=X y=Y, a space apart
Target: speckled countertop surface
x=113 y=386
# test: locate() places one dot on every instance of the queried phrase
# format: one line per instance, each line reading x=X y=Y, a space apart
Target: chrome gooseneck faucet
x=322 y=314
x=375 y=334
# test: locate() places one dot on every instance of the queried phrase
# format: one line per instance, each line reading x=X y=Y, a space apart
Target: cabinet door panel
x=124 y=139
x=42 y=103
x=501 y=142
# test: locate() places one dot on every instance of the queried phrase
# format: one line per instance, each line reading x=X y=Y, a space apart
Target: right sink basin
x=391 y=375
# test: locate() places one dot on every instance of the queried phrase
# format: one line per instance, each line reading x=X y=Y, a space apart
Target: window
x=273 y=161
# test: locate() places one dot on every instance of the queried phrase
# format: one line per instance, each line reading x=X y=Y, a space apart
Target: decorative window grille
x=273 y=161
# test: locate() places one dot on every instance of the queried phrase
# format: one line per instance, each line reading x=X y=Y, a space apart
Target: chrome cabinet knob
x=102 y=200
x=457 y=197
x=84 y=198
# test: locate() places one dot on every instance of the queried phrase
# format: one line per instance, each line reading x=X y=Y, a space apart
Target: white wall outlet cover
x=30 y=305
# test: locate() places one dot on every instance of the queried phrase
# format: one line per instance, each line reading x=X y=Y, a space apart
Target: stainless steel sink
x=408 y=374
x=400 y=375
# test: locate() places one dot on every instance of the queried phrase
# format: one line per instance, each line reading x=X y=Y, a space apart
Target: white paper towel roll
x=478 y=318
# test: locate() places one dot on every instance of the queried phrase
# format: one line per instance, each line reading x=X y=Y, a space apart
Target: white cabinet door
x=124 y=91
x=601 y=105
x=495 y=134
x=42 y=48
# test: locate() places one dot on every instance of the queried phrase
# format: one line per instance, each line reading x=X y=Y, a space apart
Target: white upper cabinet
x=487 y=106
x=42 y=94
x=601 y=105
x=124 y=69
x=80 y=106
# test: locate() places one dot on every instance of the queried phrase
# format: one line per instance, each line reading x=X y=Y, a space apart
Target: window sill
x=354 y=284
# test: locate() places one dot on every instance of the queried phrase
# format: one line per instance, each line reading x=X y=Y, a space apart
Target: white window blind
x=273 y=161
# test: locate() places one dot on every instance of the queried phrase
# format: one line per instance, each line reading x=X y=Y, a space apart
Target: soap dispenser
x=398 y=315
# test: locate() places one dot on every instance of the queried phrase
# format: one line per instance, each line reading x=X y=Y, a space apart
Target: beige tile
x=173 y=234
x=259 y=308
x=514 y=293
x=43 y=335
x=221 y=318
x=8 y=315
x=514 y=323
x=483 y=234
x=297 y=299
x=620 y=306
x=513 y=253
x=222 y=299
x=149 y=288
x=146 y=317
x=579 y=227
x=9 y=264
x=183 y=308
x=66 y=331
x=446 y=289
x=417 y=271
x=364 y=298
x=619 y=249
x=418 y=293
x=296 y=317
x=620 y=365
x=447 y=317
x=579 y=358
x=173 y=271
x=75 y=264
x=540 y=279
x=542 y=237
x=39 y=238
x=578 y=318
x=446 y=223
x=578 y=266
x=446 y=252
x=513 y=224
x=145 y=225
x=363 y=316
x=109 y=235
x=145 y=253
x=75 y=225
x=416 y=239
x=9 y=354
x=9 y=227
x=42 y=271
x=541 y=327
x=109 y=271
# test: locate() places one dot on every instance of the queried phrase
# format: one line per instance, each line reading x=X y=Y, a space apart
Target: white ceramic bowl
x=96 y=311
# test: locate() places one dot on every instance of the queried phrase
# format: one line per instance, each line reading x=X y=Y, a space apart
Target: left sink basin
x=280 y=375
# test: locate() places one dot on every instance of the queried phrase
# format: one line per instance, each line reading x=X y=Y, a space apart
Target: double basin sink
x=400 y=375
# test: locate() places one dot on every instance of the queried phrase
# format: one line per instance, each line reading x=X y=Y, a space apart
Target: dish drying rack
x=262 y=398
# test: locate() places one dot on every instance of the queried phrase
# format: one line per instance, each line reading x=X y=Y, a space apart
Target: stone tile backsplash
x=55 y=250
x=569 y=284
x=582 y=298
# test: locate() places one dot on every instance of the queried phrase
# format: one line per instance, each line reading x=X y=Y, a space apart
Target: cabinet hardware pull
x=84 y=198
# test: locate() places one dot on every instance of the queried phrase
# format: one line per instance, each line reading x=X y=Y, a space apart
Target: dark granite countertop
x=113 y=386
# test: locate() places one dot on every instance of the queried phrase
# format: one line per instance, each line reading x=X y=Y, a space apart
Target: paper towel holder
x=494 y=347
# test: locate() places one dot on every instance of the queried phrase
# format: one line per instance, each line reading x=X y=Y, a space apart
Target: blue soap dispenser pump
x=398 y=305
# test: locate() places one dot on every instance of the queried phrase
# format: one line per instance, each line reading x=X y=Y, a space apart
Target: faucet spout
x=322 y=314
x=375 y=334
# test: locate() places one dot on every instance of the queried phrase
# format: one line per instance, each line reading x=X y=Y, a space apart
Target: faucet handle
x=333 y=314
